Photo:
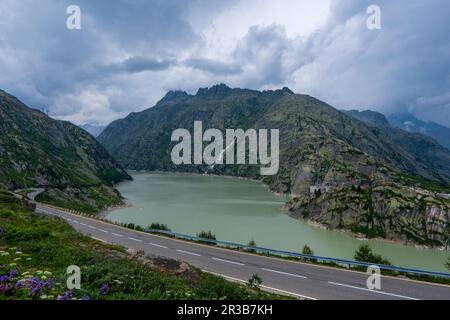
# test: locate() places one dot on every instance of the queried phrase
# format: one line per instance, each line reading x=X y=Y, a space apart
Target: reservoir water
x=239 y=210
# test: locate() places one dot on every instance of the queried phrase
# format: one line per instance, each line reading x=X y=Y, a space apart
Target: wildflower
x=104 y=289
x=2 y=231
x=6 y=288
x=85 y=297
x=50 y=283
x=68 y=295
x=13 y=273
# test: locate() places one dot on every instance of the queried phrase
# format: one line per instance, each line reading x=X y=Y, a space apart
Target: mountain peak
x=216 y=91
x=174 y=94
x=287 y=90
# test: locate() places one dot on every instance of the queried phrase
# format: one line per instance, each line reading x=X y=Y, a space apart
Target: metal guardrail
x=342 y=262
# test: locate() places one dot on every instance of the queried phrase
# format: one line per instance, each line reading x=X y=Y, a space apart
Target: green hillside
x=37 y=151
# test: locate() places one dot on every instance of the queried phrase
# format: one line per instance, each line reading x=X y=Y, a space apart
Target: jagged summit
x=219 y=91
x=216 y=91
x=174 y=94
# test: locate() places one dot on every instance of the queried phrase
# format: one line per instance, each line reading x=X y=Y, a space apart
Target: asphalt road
x=295 y=278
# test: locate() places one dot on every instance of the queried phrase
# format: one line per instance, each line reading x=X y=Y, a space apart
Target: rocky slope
x=391 y=211
x=321 y=148
x=37 y=151
x=410 y=123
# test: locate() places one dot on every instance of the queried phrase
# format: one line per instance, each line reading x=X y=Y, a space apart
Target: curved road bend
x=296 y=278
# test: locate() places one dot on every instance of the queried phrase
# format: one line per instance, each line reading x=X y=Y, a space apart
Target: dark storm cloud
x=141 y=64
x=391 y=70
x=213 y=66
x=129 y=52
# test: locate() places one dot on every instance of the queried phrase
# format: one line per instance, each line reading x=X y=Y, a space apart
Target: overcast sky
x=130 y=52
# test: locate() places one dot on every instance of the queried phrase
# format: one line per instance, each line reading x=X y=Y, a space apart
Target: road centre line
x=373 y=291
x=227 y=261
x=285 y=273
x=191 y=253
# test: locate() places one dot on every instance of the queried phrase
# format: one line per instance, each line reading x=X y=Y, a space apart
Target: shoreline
x=357 y=236
x=125 y=204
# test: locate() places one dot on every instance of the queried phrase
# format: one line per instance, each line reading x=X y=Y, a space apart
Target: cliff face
x=37 y=151
x=396 y=212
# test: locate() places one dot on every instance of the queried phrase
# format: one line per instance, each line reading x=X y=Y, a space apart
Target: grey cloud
x=140 y=64
x=389 y=69
x=401 y=68
x=213 y=66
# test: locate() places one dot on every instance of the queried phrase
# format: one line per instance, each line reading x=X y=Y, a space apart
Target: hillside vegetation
x=37 y=151
x=35 y=252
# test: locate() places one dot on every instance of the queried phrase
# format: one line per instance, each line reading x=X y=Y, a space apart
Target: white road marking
x=265 y=287
x=134 y=239
x=284 y=273
x=117 y=235
x=373 y=291
x=157 y=245
x=83 y=224
x=75 y=221
x=227 y=261
x=191 y=253
x=101 y=230
x=94 y=228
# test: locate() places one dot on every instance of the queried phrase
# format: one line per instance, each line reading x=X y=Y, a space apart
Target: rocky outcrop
x=411 y=215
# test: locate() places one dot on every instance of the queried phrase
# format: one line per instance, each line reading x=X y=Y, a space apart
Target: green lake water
x=239 y=210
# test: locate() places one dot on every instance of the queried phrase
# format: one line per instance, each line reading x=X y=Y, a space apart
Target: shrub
x=129 y=225
x=159 y=226
x=447 y=265
x=252 y=244
x=365 y=254
x=307 y=250
x=206 y=235
x=254 y=282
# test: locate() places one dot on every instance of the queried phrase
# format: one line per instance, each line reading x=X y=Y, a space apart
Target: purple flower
x=6 y=288
x=2 y=231
x=13 y=273
x=85 y=297
x=104 y=289
x=68 y=295
x=4 y=278
x=50 y=283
